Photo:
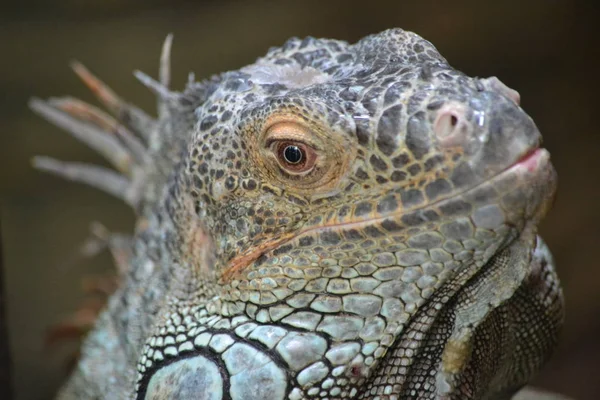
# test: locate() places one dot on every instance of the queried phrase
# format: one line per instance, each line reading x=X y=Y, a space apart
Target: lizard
x=334 y=221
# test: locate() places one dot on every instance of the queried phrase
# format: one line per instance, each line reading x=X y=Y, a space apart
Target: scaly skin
x=334 y=221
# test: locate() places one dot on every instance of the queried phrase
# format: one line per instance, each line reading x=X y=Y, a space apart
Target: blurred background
x=544 y=49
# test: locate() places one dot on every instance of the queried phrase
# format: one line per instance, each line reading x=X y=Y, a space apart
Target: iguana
x=334 y=221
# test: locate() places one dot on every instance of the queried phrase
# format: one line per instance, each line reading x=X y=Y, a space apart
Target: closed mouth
x=532 y=160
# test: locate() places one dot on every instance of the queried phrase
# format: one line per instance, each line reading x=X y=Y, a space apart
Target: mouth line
x=529 y=160
x=526 y=160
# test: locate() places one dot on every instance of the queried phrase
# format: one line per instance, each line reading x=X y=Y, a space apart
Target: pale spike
x=84 y=111
x=101 y=141
x=191 y=78
x=138 y=150
x=99 y=239
x=128 y=114
x=87 y=112
x=165 y=61
x=120 y=245
x=164 y=73
x=156 y=87
x=92 y=175
x=104 y=93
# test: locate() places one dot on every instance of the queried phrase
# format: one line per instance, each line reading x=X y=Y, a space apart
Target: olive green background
x=545 y=49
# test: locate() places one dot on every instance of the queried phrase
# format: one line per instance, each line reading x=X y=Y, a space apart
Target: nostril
x=450 y=125
x=453 y=120
x=445 y=124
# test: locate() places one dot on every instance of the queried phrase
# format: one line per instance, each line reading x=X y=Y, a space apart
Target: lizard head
x=324 y=153
x=333 y=189
x=333 y=221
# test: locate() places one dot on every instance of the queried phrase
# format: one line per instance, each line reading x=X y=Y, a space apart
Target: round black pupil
x=292 y=154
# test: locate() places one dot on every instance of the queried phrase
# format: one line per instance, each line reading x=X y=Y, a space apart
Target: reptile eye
x=293 y=154
x=289 y=143
x=299 y=154
x=294 y=157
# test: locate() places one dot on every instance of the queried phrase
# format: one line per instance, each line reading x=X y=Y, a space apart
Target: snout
x=490 y=129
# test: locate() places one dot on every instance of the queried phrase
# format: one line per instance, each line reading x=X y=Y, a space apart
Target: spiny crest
x=122 y=138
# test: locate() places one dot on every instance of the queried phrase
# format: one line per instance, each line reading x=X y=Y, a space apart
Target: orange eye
x=299 y=154
x=288 y=142
x=294 y=157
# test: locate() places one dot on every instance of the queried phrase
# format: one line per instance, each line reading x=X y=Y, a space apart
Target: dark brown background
x=545 y=49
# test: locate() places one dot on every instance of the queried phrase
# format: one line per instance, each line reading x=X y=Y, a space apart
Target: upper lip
x=241 y=261
x=526 y=155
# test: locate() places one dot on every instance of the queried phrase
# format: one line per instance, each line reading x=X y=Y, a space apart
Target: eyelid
x=327 y=152
x=289 y=131
x=270 y=142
